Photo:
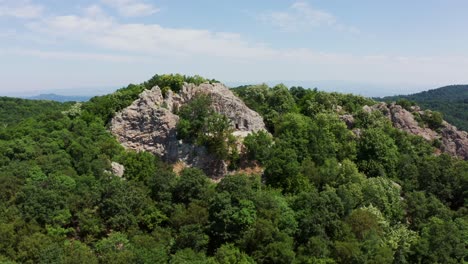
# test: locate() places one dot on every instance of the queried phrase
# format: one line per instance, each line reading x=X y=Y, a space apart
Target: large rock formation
x=453 y=141
x=149 y=124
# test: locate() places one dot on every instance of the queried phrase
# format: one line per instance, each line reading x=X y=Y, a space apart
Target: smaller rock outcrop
x=405 y=120
x=117 y=169
x=453 y=141
x=348 y=119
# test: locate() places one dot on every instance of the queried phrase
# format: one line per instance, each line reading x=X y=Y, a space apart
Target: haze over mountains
x=358 y=88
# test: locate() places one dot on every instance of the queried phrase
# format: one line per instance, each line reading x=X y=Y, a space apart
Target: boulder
x=117 y=169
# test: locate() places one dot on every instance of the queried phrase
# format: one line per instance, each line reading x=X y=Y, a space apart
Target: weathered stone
x=348 y=119
x=149 y=124
x=117 y=169
x=453 y=141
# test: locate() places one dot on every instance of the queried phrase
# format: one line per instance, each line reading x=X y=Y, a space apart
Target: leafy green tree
x=30 y=249
x=421 y=206
x=139 y=165
x=385 y=195
x=116 y=248
x=318 y=214
x=363 y=223
x=191 y=224
x=192 y=185
x=255 y=96
x=283 y=170
x=377 y=153
x=258 y=146
x=161 y=185
x=433 y=119
x=201 y=124
x=442 y=242
x=75 y=252
x=266 y=244
x=230 y=254
x=230 y=217
x=280 y=100
x=121 y=203
x=148 y=249
x=190 y=256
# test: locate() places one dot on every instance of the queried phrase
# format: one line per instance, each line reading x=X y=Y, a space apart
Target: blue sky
x=363 y=46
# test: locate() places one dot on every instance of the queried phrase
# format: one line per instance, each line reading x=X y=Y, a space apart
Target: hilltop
x=451 y=100
x=307 y=177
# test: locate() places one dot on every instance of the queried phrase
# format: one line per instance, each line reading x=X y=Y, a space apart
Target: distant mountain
x=357 y=88
x=60 y=98
x=451 y=101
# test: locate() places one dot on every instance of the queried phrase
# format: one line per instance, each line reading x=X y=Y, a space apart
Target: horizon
x=366 y=90
x=360 y=47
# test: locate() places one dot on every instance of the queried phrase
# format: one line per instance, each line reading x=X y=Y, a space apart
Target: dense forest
x=326 y=195
x=452 y=101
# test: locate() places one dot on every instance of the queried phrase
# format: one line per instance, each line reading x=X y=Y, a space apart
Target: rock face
x=453 y=141
x=149 y=124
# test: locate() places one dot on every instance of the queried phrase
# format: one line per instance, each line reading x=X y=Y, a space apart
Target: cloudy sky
x=385 y=47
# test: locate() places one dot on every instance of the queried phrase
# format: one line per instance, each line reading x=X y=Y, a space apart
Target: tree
x=200 y=124
x=190 y=256
x=116 y=248
x=192 y=185
x=377 y=153
x=281 y=100
x=230 y=254
x=266 y=244
x=283 y=170
x=442 y=242
x=139 y=165
x=258 y=146
x=385 y=195
x=230 y=218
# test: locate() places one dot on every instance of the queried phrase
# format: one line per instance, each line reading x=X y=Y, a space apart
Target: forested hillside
x=14 y=110
x=327 y=194
x=452 y=101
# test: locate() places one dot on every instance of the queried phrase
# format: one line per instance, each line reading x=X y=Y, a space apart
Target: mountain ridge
x=60 y=98
x=451 y=100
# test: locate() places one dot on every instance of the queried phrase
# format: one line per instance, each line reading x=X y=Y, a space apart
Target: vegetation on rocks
x=328 y=194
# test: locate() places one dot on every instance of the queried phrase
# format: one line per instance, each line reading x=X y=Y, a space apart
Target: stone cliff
x=149 y=124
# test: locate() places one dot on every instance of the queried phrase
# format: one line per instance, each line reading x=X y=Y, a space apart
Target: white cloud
x=20 y=9
x=131 y=8
x=151 y=39
x=75 y=56
x=302 y=16
x=229 y=54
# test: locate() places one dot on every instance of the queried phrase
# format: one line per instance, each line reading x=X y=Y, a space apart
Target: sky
x=369 y=47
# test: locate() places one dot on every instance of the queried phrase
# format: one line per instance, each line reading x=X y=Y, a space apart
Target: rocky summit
x=149 y=124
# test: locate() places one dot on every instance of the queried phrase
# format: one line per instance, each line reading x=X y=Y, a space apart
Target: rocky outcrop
x=404 y=120
x=348 y=119
x=149 y=124
x=453 y=141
